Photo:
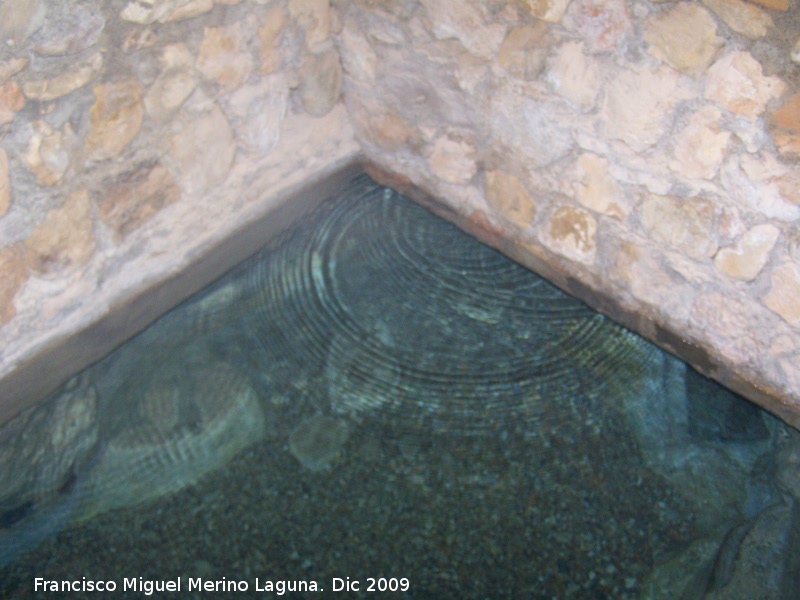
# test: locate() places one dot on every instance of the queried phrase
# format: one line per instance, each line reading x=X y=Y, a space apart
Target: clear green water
x=377 y=395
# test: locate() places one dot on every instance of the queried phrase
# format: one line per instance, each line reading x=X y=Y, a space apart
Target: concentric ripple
x=404 y=317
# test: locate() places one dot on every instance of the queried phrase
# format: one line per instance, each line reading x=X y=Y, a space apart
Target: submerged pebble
x=318 y=441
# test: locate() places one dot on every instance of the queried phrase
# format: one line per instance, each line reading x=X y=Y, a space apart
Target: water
x=377 y=396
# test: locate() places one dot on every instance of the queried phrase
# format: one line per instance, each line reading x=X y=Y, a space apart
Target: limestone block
x=571 y=232
x=685 y=37
x=13 y=273
x=700 y=146
x=772 y=4
x=269 y=35
x=685 y=224
x=5 y=183
x=597 y=189
x=12 y=66
x=533 y=131
x=755 y=181
x=224 y=57
x=257 y=113
x=452 y=159
x=784 y=126
x=745 y=259
x=637 y=104
x=49 y=152
x=524 y=51
x=742 y=17
x=601 y=24
x=736 y=82
x=466 y=23
x=64 y=239
x=789 y=186
x=134 y=197
x=320 y=83
x=314 y=17
x=11 y=101
x=358 y=57
x=64 y=83
x=783 y=296
x=70 y=28
x=201 y=144
x=547 y=10
x=388 y=130
x=640 y=272
x=20 y=18
x=145 y=12
x=174 y=85
x=116 y=117
x=191 y=9
x=575 y=76
x=508 y=196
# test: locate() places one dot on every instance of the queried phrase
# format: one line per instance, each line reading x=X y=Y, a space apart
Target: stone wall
x=642 y=155
x=134 y=136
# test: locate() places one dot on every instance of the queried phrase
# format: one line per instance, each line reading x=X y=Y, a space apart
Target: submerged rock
x=318 y=441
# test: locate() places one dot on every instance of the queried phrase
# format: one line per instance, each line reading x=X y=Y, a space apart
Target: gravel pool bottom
x=377 y=399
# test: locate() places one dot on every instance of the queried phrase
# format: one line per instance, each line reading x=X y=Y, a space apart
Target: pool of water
x=377 y=399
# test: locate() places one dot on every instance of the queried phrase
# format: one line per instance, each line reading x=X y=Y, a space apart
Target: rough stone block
x=783 y=296
x=507 y=194
x=64 y=239
x=13 y=273
x=745 y=259
x=784 y=126
x=685 y=38
x=736 y=82
x=116 y=117
x=135 y=197
x=684 y=224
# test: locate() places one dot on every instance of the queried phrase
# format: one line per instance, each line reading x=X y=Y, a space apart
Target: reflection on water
x=378 y=395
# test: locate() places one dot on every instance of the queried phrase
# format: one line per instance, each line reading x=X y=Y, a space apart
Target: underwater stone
x=192 y=416
x=42 y=449
x=318 y=441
